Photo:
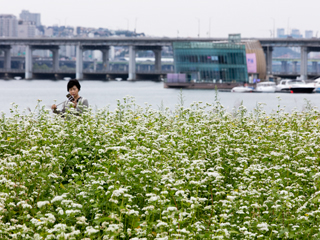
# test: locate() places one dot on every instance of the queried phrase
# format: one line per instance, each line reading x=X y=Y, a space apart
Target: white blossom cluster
x=140 y=173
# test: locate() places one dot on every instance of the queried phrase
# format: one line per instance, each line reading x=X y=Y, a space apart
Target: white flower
x=58 y=198
x=171 y=209
x=43 y=203
x=90 y=230
x=263 y=226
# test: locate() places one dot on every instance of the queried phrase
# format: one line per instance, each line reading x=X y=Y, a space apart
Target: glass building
x=211 y=62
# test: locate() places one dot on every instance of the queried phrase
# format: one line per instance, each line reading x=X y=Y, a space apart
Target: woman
x=79 y=102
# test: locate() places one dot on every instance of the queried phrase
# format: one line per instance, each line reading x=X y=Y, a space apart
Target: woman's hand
x=74 y=103
x=53 y=107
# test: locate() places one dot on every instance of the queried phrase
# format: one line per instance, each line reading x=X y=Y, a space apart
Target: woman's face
x=74 y=91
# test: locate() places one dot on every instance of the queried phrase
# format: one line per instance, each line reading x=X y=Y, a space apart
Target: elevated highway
x=137 y=44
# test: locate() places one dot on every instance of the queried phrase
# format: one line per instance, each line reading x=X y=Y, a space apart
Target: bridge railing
x=86 y=71
x=11 y=70
x=52 y=71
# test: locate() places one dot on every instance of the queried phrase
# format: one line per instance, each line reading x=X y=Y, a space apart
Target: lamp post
x=274 y=23
x=288 y=27
x=210 y=27
x=135 y=26
x=198 y=27
x=127 y=24
x=59 y=21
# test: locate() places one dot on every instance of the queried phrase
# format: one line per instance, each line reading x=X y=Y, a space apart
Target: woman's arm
x=56 y=110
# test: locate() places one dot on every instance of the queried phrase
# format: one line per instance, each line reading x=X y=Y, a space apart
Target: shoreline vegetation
x=196 y=172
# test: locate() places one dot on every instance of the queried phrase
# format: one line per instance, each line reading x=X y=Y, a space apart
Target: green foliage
x=139 y=173
x=36 y=66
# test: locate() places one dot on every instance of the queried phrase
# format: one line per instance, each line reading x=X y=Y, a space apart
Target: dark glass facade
x=211 y=62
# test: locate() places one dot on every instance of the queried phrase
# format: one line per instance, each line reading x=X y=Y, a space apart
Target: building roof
x=213 y=45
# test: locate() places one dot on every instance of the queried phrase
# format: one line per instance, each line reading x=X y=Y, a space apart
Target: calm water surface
x=100 y=94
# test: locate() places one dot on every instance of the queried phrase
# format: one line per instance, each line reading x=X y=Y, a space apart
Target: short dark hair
x=73 y=82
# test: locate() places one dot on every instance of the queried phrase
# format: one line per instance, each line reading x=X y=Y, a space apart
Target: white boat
x=118 y=79
x=294 y=86
x=242 y=89
x=316 y=84
x=17 y=78
x=67 y=78
x=266 y=87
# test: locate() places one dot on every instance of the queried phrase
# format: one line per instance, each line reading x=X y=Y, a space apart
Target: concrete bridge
x=136 y=44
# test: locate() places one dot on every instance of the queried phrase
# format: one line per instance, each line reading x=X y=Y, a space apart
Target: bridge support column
x=157 y=62
x=28 y=62
x=304 y=63
x=284 y=66
x=95 y=65
x=105 y=59
x=315 y=67
x=294 y=67
x=7 y=58
x=55 y=59
x=132 y=63
x=268 y=52
x=79 y=63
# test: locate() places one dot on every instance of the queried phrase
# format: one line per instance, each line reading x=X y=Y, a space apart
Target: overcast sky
x=172 y=18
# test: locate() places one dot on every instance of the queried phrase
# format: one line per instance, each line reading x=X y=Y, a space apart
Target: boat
x=118 y=79
x=17 y=78
x=294 y=86
x=266 y=87
x=67 y=78
x=242 y=89
x=316 y=84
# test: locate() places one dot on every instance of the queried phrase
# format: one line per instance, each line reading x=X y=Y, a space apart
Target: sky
x=176 y=18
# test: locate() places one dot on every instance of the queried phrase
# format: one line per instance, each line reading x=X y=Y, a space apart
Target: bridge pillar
x=7 y=58
x=21 y=65
x=304 y=63
x=112 y=52
x=95 y=65
x=315 y=67
x=55 y=59
x=157 y=62
x=105 y=59
x=295 y=68
x=28 y=62
x=132 y=63
x=284 y=66
x=79 y=62
x=268 y=51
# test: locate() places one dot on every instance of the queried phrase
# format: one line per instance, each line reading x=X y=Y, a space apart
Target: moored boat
x=242 y=89
x=316 y=84
x=266 y=87
x=294 y=86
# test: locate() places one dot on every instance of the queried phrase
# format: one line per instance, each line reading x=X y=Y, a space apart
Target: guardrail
x=10 y=70
x=3 y=70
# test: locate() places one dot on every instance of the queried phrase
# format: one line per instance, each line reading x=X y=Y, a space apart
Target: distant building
x=211 y=62
x=48 y=32
x=31 y=17
x=8 y=25
x=295 y=33
x=280 y=33
x=26 y=29
x=308 y=34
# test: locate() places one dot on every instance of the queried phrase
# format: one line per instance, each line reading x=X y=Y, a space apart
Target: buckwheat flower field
x=196 y=172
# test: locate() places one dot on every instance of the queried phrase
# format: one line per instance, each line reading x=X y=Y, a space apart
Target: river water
x=100 y=94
